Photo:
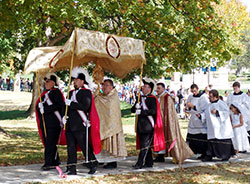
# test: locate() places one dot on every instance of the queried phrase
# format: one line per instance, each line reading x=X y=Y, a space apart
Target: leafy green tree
x=236 y=21
x=240 y=62
x=180 y=34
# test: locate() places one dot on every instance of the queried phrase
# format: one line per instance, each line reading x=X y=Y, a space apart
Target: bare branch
x=55 y=40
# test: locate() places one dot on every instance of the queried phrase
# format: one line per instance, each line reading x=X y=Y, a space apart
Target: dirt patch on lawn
x=14 y=100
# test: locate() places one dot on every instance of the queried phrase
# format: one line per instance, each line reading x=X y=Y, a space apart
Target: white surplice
x=218 y=127
x=196 y=126
x=240 y=140
x=244 y=101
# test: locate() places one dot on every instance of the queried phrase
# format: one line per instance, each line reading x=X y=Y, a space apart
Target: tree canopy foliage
x=240 y=62
x=180 y=34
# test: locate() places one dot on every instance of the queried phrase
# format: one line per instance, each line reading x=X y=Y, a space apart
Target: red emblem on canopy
x=112 y=47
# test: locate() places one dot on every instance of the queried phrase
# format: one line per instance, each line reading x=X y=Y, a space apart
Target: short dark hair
x=161 y=84
x=194 y=86
x=214 y=92
x=236 y=84
x=109 y=81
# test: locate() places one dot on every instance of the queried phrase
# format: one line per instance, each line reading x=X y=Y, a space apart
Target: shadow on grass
x=130 y=139
x=126 y=110
x=24 y=146
x=15 y=114
x=131 y=145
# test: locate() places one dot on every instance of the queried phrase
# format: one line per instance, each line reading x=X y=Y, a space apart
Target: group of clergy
x=217 y=128
x=91 y=123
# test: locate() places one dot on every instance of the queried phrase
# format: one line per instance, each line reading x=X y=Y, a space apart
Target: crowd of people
x=128 y=93
x=26 y=85
x=93 y=123
x=8 y=84
x=218 y=128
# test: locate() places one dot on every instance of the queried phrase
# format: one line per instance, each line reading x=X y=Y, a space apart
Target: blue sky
x=247 y=3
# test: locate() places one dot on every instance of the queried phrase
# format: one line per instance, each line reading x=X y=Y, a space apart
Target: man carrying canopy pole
x=50 y=106
x=82 y=119
x=149 y=127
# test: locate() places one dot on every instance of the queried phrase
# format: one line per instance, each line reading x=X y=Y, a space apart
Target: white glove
x=40 y=105
x=68 y=102
x=137 y=106
x=138 y=112
x=138 y=109
x=64 y=120
x=41 y=110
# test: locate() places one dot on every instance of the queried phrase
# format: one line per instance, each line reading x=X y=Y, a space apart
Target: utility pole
x=193 y=75
x=208 y=75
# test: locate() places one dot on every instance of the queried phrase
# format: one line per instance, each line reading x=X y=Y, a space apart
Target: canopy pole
x=39 y=93
x=70 y=73
x=139 y=95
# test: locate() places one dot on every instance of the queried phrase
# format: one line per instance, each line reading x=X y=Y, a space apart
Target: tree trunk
x=3 y=131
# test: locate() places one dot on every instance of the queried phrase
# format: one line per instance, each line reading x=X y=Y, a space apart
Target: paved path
x=32 y=173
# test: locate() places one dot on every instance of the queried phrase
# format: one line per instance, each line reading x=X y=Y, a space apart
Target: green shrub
x=232 y=77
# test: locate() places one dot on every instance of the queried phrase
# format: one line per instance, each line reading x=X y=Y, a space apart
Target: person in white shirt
x=219 y=129
x=240 y=139
x=197 y=130
x=244 y=102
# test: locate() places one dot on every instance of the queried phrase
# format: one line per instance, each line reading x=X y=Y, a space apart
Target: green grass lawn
x=13 y=115
x=21 y=145
x=127 y=117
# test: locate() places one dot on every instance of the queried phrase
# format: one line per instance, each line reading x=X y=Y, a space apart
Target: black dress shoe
x=87 y=165
x=147 y=166
x=137 y=166
x=201 y=157
x=159 y=159
x=46 y=167
x=242 y=151
x=92 y=170
x=71 y=173
x=111 y=165
x=206 y=159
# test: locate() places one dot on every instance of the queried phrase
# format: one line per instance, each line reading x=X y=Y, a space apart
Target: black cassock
x=145 y=131
x=76 y=130
x=53 y=108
